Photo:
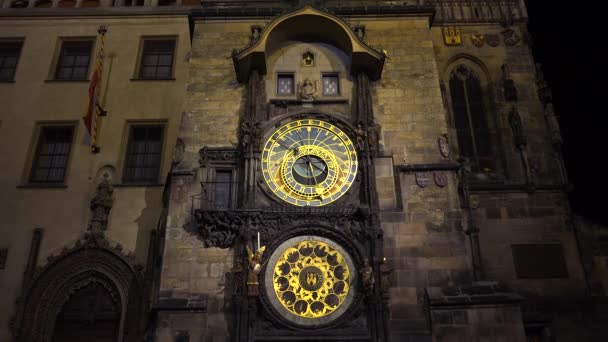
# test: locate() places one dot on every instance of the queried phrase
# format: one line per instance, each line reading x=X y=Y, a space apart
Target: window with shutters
x=144 y=151
x=470 y=119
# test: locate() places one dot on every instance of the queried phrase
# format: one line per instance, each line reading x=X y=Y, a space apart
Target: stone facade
x=447 y=243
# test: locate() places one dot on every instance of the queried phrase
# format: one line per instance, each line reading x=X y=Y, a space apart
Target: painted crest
x=451 y=36
x=423 y=179
x=478 y=39
x=492 y=39
x=444 y=147
x=441 y=178
x=510 y=37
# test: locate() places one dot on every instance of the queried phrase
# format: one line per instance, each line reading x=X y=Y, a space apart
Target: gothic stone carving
x=222 y=228
x=91 y=259
x=208 y=154
x=101 y=204
x=517 y=126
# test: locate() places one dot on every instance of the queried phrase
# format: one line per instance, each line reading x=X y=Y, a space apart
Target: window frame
x=53 y=75
x=291 y=74
x=331 y=74
x=232 y=188
x=495 y=136
x=33 y=154
x=130 y=125
x=16 y=67
x=140 y=55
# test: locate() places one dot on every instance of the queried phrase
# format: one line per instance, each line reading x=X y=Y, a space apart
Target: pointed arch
x=90 y=261
x=470 y=107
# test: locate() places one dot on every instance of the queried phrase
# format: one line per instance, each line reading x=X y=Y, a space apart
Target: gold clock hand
x=312 y=172
x=320 y=169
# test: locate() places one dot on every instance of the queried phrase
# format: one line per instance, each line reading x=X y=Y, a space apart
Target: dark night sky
x=567 y=40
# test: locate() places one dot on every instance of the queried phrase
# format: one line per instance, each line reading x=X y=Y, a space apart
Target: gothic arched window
x=470 y=119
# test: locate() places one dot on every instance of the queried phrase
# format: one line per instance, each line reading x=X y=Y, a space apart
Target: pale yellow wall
x=64 y=212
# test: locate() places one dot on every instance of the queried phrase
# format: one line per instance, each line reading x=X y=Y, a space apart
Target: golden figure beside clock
x=309 y=162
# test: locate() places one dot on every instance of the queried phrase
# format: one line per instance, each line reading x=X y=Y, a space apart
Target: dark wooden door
x=89 y=315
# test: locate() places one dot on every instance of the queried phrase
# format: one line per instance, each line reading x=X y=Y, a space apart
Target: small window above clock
x=285 y=84
x=331 y=84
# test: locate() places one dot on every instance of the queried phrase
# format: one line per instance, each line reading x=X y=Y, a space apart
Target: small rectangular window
x=331 y=84
x=223 y=189
x=157 y=59
x=74 y=60
x=285 y=84
x=52 y=152
x=144 y=150
x=9 y=56
x=539 y=261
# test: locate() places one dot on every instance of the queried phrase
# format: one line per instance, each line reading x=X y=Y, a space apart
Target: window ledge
x=66 y=81
x=7 y=81
x=153 y=79
x=134 y=185
x=42 y=186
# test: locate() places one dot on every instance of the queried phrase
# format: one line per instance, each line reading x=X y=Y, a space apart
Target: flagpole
x=97 y=107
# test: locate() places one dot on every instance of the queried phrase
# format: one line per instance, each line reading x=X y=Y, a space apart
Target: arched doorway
x=90 y=292
x=91 y=315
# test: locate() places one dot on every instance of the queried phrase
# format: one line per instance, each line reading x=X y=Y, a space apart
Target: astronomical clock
x=309 y=163
x=309 y=280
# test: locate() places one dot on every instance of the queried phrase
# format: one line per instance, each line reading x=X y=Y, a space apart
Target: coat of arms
x=478 y=39
x=444 y=147
x=510 y=37
x=422 y=179
x=451 y=35
x=441 y=178
x=492 y=39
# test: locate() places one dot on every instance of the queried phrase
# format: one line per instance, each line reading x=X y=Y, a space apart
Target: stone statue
x=517 y=126
x=101 y=204
x=510 y=91
x=373 y=134
x=255 y=267
x=256 y=32
x=361 y=135
x=367 y=276
x=308 y=90
x=245 y=134
x=553 y=125
x=360 y=31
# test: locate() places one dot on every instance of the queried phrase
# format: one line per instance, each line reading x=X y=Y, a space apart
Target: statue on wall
x=553 y=125
x=255 y=267
x=517 y=126
x=307 y=90
x=510 y=91
x=367 y=276
x=101 y=204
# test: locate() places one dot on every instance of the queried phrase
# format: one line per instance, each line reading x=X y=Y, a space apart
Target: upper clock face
x=309 y=162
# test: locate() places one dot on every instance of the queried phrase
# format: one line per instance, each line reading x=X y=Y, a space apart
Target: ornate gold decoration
x=451 y=35
x=309 y=162
x=308 y=59
x=255 y=266
x=311 y=279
